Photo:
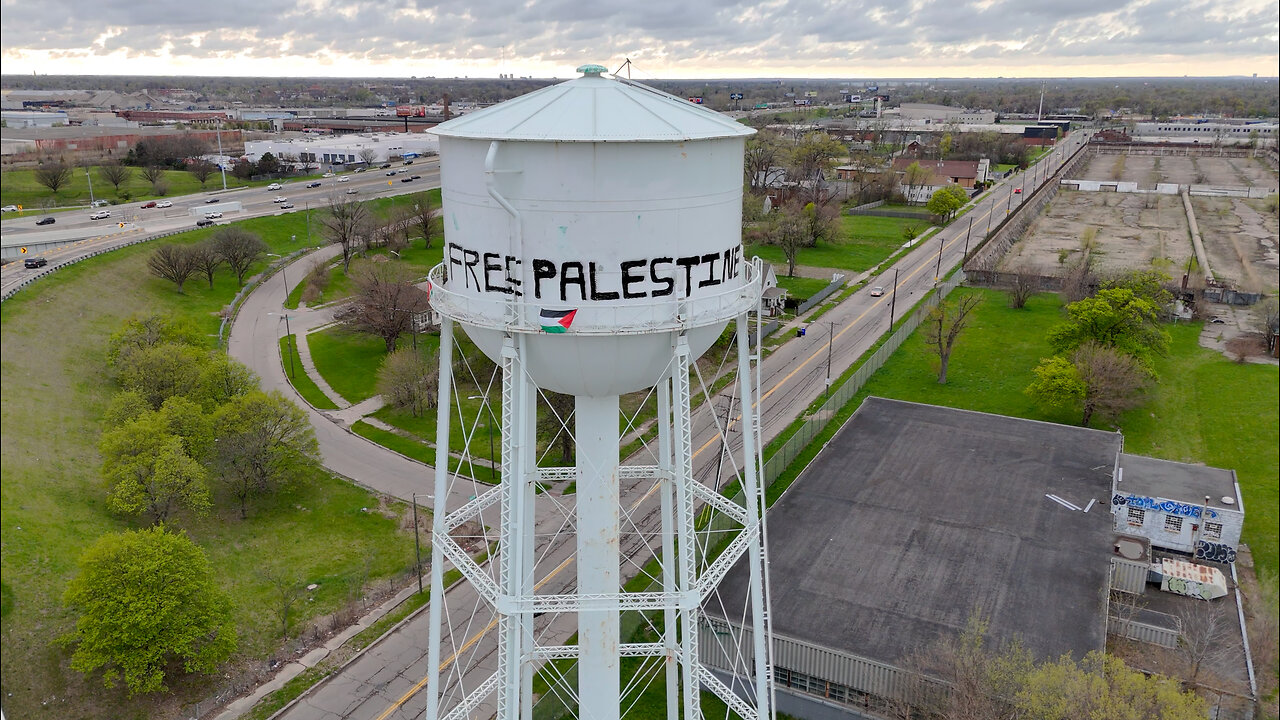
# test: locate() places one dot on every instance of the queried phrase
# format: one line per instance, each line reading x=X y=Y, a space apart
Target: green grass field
x=348 y=361
x=864 y=242
x=53 y=498
x=1205 y=409
x=19 y=187
x=299 y=378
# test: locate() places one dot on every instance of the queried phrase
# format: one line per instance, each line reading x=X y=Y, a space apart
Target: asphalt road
x=79 y=236
x=387 y=682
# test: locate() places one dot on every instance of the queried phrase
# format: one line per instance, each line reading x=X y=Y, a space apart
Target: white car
x=212 y=215
x=100 y=215
x=329 y=174
x=9 y=208
x=274 y=186
x=344 y=178
x=164 y=204
x=99 y=203
x=352 y=191
x=877 y=291
x=280 y=199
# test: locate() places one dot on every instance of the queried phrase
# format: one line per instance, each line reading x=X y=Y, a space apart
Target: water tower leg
x=668 y=498
x=754 y=498
x=515 y=628
x=596 y=431
x=682 y=455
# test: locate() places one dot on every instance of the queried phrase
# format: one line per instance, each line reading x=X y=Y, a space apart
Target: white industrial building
x=346 y=149
x=33 y=118
x=1190 y=509
x=943 y=114
x=1224 y=133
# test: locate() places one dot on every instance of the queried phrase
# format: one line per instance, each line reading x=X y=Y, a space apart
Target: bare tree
x=53 y=176
x=1264 y=630
x=201 y=169
x=115 y=174
x=1078 y=281
x=1206 y=638
x=786 y=229
x=240 y=249
x=367 y=155
x=408 y=379
x=1113 y=381
x=206 y=259
x=426 y=218
x=386 y=301
x=913 y=177
x=1269 y=313
x=555 y=420
x=346 y=224
x=763 y=159
x=943 y=326
x=1026 y=282
x=154 y=174
x=173 y=263
x=286 y=592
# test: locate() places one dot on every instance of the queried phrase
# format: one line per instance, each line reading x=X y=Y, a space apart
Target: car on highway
x=164 y=204
x=46 y=221
x=329 y=175
x=210 y=201
x=35 y=262
x=877 y=291
x=205 y=223
x=314 y=184
x=408 y=162
x=408 y=179
x=212 y=215
x=384 y=166
x=99 y=203
x=286 y=206
x=352 y=191
x=274 y=186
x=1017 y=191
x=100 y=215
x=280 y=199
x=149 y=205
x=9 y=208
x=391 y=173
x=344 y=178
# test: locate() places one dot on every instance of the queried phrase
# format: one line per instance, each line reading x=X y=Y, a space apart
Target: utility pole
x=831 y=340
x=965 y=256
x=289 y=332
x=937 y=271
x=417 y=547
x=893 y=299
x=86 y=177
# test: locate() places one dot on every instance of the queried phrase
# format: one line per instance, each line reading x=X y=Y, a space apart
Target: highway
x=387 y=682
x=76 y=236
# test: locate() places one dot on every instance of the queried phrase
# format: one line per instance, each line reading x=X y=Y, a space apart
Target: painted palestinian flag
x=556 y=321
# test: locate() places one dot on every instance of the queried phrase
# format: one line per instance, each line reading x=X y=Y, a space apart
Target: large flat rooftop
x=916 y=517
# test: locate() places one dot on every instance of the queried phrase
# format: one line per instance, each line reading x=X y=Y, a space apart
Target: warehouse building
x=346 y=150
x=915 y=519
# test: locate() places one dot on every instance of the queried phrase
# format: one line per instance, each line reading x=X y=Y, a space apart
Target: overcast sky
x=663 y=38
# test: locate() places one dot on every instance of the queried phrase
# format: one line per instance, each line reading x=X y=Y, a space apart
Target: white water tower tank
x=600 y=205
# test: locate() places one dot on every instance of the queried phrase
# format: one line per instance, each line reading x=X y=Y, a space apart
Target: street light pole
x=289 y=334
x=965 y=255
x=831 y=340
x=221 y=165
x=86 y=177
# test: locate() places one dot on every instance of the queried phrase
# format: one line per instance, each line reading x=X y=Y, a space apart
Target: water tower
x=593 y=248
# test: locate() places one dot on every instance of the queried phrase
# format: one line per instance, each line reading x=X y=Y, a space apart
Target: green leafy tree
x=943 y=203
x=146 y=599
x=945 y=145
x=149 y=469
x=268 y=164
x=913 y=177
x=161 y=371
x=1097 y=379
x=1101 y=687
x=264 y=443
x=125 y=406
x=144 y=331
x=1150 y=285
x=221 y=379
x=1115 y=318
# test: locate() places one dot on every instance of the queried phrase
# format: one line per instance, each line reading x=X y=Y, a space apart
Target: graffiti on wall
x=1168 y=507
x=1190 y=588
x=1215 y=552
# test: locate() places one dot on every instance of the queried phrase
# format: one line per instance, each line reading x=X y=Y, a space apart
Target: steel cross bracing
x=688 y=579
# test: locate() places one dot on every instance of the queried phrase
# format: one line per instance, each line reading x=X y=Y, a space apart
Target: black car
x=384 y=166
x=46 y=221
x=416 y=177
x=408 y=162
x=205 y=223
x=408 y=179
x=210 y=201
x=35 y=262
x=314 y=184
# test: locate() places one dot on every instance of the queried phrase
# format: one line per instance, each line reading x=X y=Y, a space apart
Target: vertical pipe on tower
x=438 y=516
x=599 y=678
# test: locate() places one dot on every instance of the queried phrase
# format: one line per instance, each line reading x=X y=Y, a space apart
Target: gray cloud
x=671 y=36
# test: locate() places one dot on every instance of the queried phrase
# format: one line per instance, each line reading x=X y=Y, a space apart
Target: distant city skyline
x=663 y=38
